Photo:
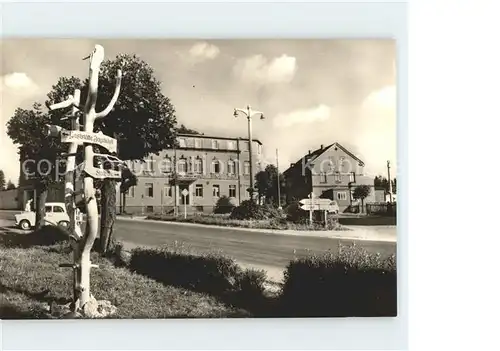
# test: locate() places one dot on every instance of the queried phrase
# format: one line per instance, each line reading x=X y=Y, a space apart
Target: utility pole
x=249 y=113
x=389 y=178
x=278 y=180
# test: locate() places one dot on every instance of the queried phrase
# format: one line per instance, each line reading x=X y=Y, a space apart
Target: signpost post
x=84 y=303
x=315 y=204
x=185 y=193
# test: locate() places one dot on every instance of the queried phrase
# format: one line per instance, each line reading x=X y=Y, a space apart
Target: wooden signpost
x=83 y=302
x=312 y=204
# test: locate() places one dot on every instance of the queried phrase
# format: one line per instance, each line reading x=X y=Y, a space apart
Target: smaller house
x=331 y=172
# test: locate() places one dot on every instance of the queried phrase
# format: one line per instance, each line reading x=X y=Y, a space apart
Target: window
x=198 y=166
x=58 y=209
x=167 y=190
x=352 y=177
x=230 y=167
x=197 y=143
x=246 y=168
x=215 y=144
x=341 y=195
x=231 y=145
x=215 y=190
x=199 y=190
x=182 y=165
x=323 y=178
x=48 y=209
x=337 y=177
x=182 y=142
x=232 y=191
x=150 y=209
x=149 y=189
x=167 y=165
x=216 y=166
x=259 y=149
x=151 y=164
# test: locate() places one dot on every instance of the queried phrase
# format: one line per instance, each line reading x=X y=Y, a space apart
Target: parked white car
x=55 y=214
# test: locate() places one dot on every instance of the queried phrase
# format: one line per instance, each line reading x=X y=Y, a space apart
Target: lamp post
x=249 y=113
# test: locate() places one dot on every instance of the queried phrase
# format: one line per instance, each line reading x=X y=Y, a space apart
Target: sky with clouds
x=312 y=92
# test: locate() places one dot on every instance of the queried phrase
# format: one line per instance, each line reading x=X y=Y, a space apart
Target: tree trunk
x=108 y=214
x=42 y=191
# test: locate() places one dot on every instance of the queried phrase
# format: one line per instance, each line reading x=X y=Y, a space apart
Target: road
x=261 y=250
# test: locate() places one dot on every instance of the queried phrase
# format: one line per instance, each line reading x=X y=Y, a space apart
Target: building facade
x=331 y=172
x=193 y=176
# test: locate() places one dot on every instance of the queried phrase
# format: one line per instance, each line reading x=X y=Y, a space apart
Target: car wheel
x=25 y=224
x=63 y=224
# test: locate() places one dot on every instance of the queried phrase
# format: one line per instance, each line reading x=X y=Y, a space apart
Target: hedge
x=350 y=283
x=210 y=273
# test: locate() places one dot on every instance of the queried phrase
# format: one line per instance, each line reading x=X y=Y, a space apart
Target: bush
x=224 y=205
x=251 y=210
x=210 y=273
x=352 y=283
x=295 y=214
x=250 y=283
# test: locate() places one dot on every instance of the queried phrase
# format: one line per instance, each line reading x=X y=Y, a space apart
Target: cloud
x=319 y=113
x=18 y=81
x=203 y=51
x=15 y=90
x=260 y=70
x=377 y=132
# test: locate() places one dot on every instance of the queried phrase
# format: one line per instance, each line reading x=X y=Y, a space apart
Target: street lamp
x=249 y=113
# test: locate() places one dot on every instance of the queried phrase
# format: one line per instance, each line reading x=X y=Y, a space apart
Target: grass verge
x=30 y=280
x=225 y=221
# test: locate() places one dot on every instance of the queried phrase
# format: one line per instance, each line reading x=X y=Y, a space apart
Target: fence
x=382 y=209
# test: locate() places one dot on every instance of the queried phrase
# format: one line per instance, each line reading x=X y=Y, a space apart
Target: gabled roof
x=318 y=152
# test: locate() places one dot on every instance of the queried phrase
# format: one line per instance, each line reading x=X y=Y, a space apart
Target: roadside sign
x=316 y=201
x=185 y=192
x=100 y=173
x=80 y=137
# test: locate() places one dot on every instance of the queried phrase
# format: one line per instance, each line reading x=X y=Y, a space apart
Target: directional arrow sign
x=80 y=137
x=316 y=201
x=317 y=205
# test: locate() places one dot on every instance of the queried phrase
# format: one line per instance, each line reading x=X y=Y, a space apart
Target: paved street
x=269 y=251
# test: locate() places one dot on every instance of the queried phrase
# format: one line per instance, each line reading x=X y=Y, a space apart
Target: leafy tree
x=184 y=130
x=382 y=183
x=10 y=185
x=2 y=180
x=361 y=192
x=266 y=184
x=143 y=120
x=38 y=153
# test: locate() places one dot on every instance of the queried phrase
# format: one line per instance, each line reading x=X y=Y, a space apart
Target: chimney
x=321 y=147
x=309 y=152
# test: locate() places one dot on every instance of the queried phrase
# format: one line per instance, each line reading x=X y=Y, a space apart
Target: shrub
x=251 y=210
x=224 y=205
x=210 y=273
x=250 y=283
x=295 y=214
x=248 y=210
x=351 y=282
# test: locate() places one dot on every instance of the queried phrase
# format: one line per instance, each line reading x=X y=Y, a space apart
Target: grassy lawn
x=30 y=280
x=225 y=221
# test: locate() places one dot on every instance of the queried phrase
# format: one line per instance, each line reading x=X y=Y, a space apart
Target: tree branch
x=70 y=101
x=111 y=104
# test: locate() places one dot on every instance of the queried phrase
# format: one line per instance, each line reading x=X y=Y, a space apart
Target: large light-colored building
x=196 y=174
